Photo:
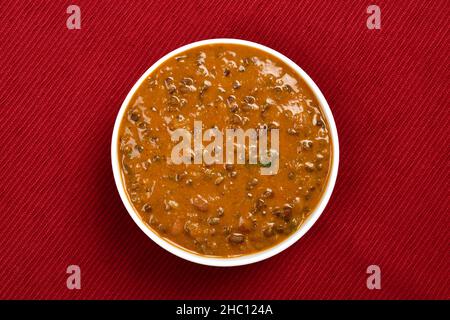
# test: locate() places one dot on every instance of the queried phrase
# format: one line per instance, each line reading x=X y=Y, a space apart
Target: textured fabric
x=60 y=91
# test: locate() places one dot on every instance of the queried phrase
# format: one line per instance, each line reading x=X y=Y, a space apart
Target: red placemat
x=60 y=91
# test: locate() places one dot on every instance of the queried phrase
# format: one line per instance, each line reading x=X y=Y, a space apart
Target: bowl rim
x=245 y=259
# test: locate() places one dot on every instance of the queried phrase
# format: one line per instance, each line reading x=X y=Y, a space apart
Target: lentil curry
x=224 y=210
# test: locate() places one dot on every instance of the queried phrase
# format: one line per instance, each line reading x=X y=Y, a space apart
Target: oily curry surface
x=223 y=209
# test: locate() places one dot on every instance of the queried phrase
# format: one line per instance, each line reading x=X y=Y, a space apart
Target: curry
x=224 y=209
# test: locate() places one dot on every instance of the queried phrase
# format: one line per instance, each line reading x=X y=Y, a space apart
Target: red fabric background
x=60 y=91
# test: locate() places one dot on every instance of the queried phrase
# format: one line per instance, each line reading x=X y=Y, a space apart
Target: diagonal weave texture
x=60 y=91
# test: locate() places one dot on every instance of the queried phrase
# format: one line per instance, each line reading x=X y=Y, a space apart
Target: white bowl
x=250 y=258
